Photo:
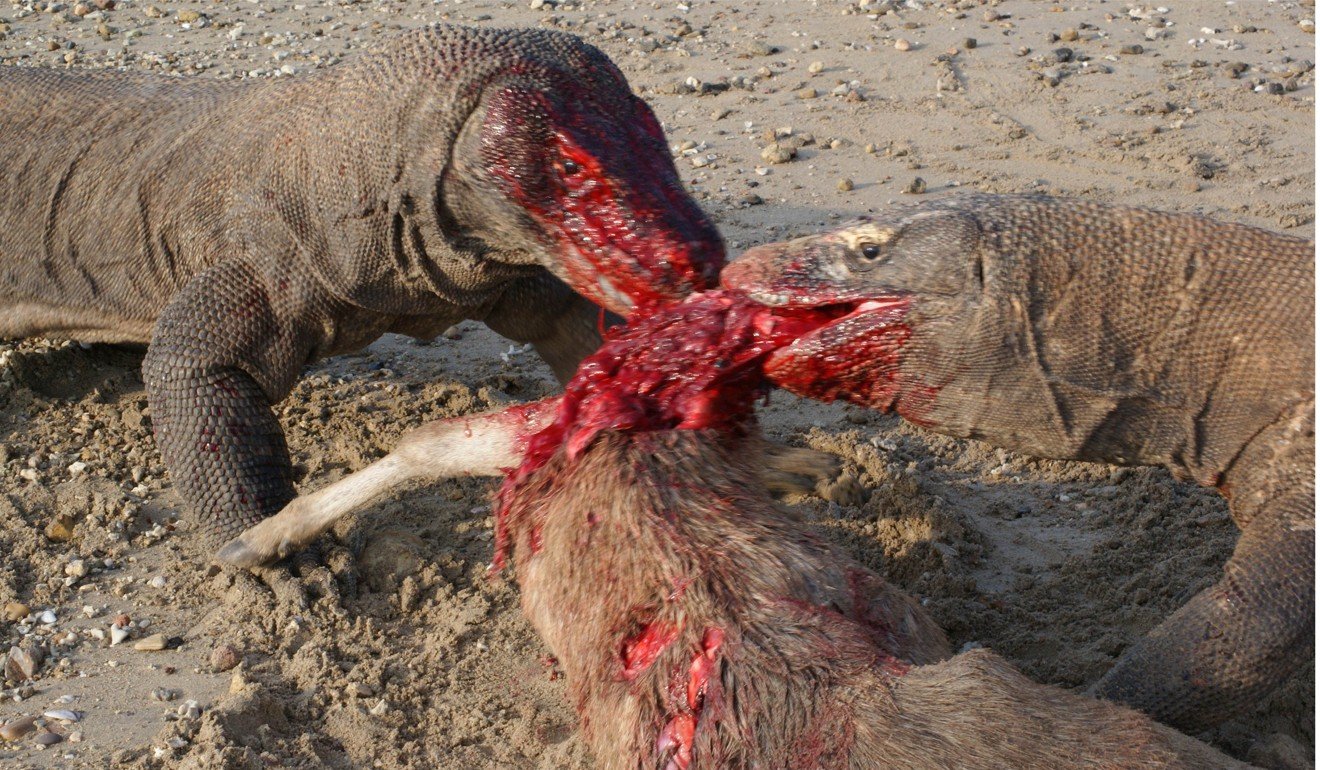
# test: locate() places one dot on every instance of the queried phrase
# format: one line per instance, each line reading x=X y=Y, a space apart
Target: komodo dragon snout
x=582 y=177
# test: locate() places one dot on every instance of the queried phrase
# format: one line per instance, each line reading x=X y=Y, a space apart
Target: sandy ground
x=403 y=652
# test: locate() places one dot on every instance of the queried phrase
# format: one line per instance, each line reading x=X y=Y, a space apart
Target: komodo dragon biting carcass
x=1059 y=328
x=246 y=229
x=1069 y=329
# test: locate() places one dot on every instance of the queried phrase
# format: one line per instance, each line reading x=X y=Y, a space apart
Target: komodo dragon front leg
x=228 y=347
x=1073 y=330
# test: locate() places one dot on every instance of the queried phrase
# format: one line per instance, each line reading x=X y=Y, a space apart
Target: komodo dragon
x=1074 y=330
x=245 y=229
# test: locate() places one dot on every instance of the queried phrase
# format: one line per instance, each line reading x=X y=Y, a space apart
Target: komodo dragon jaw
x=597 y=185
x=879 y=275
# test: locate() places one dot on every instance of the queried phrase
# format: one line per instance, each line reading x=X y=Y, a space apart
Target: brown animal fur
x=821 y=663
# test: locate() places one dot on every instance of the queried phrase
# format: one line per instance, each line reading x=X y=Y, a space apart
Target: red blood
x=858 y=359
x=621 y=213
x=640 y=650
x=690 y=365
x=677 y=736
x=702 y=667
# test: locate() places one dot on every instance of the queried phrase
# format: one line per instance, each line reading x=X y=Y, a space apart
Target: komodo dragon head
x=573 y=165
x=886 y=279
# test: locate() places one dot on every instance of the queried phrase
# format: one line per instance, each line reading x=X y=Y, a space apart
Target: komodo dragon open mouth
x=855 y=356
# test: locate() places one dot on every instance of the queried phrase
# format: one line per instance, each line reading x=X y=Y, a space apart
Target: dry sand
x=403 y=652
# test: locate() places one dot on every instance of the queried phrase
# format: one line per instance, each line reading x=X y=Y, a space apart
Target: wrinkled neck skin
x=355 y=189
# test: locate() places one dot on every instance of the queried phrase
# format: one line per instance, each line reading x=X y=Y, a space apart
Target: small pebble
x=969 y=43
x=17 y=728
x=916 y=187
x=816 y=67
x=224 y=657
x=151 y=643
x=902 y=44
x=47 y=618
x=845 y=185
x=1068 y=35
x=158 y=581
x=49 y=739
x=16 y=611
x=1307 y=26
x=807 y=93
x=1131 y=50
x=778 y=153
x=63 y=715
x=21 y=664
x=117 y=635
x=60 y=529
x=76 y=736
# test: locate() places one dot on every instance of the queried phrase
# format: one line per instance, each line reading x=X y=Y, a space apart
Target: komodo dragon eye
x=865 y=256
x=870 y=251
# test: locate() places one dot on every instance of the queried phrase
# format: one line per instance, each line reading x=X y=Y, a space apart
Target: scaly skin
x=1073 y=330
x=247 y=229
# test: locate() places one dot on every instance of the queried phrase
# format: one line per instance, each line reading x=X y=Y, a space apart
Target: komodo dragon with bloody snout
x=1073 y=330
x=246 y=229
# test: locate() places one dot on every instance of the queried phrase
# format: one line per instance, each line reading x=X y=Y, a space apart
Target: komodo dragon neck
x=1178 y=380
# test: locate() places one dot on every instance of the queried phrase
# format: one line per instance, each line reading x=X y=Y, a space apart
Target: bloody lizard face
x=879 y=277
x=593 y=182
